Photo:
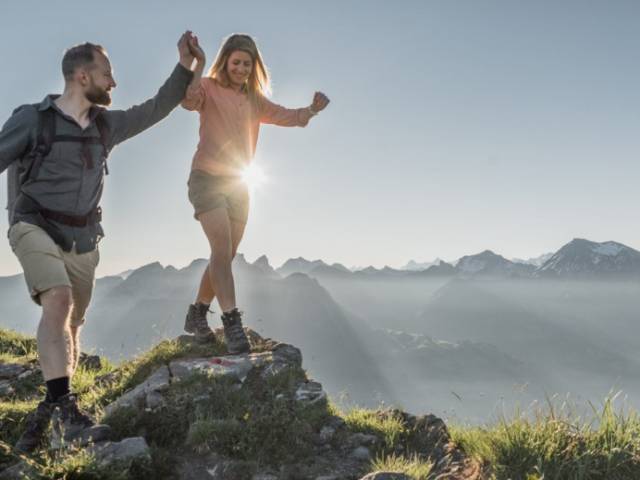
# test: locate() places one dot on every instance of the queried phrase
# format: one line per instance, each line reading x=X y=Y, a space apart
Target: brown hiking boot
x=234 y=335
x=37 y=424
x=72 y=425
x=196 y=323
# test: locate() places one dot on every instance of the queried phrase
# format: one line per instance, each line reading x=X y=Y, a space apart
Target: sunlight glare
x=253 y=176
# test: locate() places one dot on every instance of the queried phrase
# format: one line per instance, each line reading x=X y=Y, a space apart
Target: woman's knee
x=221 y=256
x=221 y=249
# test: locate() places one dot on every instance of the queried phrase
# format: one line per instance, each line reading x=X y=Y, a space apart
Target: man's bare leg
x=54 y=336
x=75 y=343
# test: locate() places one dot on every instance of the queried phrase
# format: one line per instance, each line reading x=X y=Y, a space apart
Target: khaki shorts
x=207 y=192
x=46 y=265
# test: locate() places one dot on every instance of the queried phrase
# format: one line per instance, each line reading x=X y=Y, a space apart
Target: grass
x=94 y=396
x=553 y=442
x=17 y=347
x=252 y=421
x=12 y=414
x=414 y=467
x=389 y=427
x=558 y=444
x=259 y=422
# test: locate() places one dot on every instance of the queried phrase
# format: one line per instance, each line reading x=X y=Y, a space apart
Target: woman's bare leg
x=206 y=292
x=217 y=228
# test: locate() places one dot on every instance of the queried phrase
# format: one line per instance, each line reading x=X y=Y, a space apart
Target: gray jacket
x=68 y=181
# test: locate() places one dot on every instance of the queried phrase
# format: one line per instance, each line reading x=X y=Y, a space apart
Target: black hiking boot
x=234 y=335
x=73 y=426
x=196 y=323
x=35 y=432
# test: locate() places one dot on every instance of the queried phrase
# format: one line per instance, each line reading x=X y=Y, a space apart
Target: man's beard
x=98 y=96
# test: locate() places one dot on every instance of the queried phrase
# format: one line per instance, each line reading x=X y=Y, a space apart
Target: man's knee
x=56 y=303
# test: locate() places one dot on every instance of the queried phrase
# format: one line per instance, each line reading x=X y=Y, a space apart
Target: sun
x=253 y=176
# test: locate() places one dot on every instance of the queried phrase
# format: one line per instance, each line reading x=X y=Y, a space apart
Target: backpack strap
x=44 y=140
x=46 y=136
x=103 y=131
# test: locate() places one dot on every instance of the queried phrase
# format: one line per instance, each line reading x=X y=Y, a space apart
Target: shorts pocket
x=18 y=231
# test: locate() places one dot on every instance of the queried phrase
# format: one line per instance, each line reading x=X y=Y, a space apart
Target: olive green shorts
x=46 y=265
x=207 y=192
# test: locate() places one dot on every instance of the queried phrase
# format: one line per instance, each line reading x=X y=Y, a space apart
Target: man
x=58 y=150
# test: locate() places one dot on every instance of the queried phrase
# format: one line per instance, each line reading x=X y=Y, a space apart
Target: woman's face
x=239 y=66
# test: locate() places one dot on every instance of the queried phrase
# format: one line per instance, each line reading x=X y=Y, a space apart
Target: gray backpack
x=27 y=168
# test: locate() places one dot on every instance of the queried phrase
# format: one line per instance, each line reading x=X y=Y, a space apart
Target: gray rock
x=226 y=469
x=310 y=392
x=386 y=476
x=327 y=433
x=6 y=388
x=288 y=354
x=11 y=370
x=27 y=373
x=154 y=400
x=19 y=471
x=91 y=362
x=236 y=366
x=125 y=451
x=274 y=368
x=336 y=422
x=363 y=439
x=91 y=435
x=158 y=381
x=361 y=453
x=264 y=476
x=327 y=477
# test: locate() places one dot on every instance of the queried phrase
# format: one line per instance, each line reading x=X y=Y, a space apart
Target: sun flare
x=253 y=176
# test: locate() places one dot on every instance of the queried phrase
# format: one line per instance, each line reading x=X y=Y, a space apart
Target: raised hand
x=196 y=50
x=186 y=56
x=320 y=102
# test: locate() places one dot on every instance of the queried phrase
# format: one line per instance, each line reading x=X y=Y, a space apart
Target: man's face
x=100 y=81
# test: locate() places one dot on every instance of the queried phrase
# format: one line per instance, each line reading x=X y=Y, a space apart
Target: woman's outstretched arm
x=291 y=117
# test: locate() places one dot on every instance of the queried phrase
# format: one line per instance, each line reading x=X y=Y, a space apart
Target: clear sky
x=454 y=126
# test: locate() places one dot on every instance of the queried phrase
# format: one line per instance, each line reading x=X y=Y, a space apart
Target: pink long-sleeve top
x=229 y=125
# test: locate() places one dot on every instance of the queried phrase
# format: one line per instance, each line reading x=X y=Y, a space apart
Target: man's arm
x=125 y=124
x=195 y=96
x=16 y=135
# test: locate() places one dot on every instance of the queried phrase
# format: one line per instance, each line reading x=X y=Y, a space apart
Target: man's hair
x=79 y=56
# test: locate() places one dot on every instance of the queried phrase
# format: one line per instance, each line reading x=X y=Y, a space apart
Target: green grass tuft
x=17 y=347
x=414 y=467
x=390 y=428
x=556 y=443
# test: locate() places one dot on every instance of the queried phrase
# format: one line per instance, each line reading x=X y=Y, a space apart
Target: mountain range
x=457 y=339
x=578 y=259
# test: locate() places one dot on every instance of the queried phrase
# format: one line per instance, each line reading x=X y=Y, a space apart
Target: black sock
x=56 y=388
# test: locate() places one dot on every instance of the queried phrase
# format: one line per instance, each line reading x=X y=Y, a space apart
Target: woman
x=231 y=100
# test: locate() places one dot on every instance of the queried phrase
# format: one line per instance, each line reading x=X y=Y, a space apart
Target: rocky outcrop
x=13 y=374
x=256 y=416
x=337 y=452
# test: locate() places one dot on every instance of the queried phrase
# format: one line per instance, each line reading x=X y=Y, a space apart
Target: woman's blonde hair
x=258 y=82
